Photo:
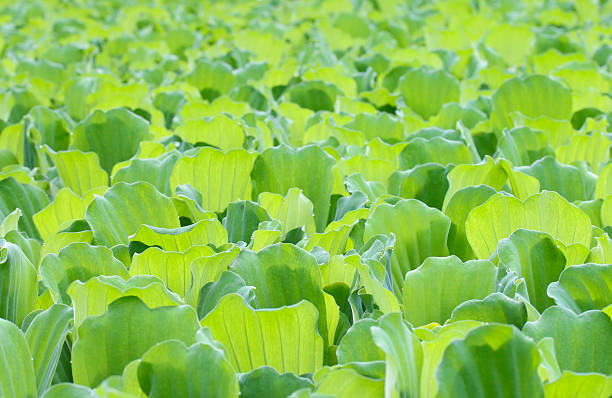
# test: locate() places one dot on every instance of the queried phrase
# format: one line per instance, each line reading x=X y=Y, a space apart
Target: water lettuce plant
x=309 y=198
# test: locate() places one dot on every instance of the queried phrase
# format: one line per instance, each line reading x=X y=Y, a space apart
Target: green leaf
x=583 y=287
x=284 y=338
x=243 y=219
x=403 y=355
x=532 y=96
x=10 y=222
x=282 y=275
x=534 y=256
x=210 y=294
x=18 y=283
x=426 y=182
x=581 y=341
x=281 y=168
x=574 y=385
x=434 y=150
x=173 y=268
x=548 y=212
x=66 y=208
x=523 y=145
x=93 y=297
x=221 y=177
x=457 y=209
x=358 y=344
x=435 y=288
x=124 y=208
x=439 y=86
x=491 y=361
x=69 y=390
x=427 y=237
x=26 y=197
x=384 y=126
x=106 y=343
x=114 y=135
x=208 y=269
x=434 y=348
x=77 y=261
x=488 y=172
x=496 y=307
x=53 y=126
x=569 y=181
x=212 y=79
x=45 y=336
x=593 y=149
x=181 y=239
x=265 y=381
x=154 y=171
x=219 y=131
x=315 y=95
x=17 y=378
x=79 y=171
x=347 y=383
x=170 y=368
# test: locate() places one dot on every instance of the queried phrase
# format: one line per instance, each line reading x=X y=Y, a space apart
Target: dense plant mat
x=310 y=198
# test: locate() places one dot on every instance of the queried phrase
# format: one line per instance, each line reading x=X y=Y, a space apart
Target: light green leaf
x=576 y=385
x=77 y=261
x=173 y=268
x=181 y=239
x=17 y=378
x=124 y=208
x=219 y=131
x=548 y=212
x=106 y=343
x=488 y=172
x=284 y=338
x=581 y=341
x=93 y=297
x=79 y=171
x=435 y=288
x=11 y=222
x=170 y=368
x=593 y=149
x=221 y=177
x=348 y=383
x=66 y=208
